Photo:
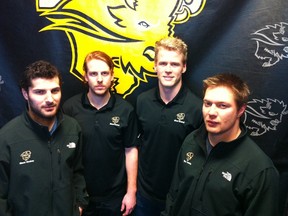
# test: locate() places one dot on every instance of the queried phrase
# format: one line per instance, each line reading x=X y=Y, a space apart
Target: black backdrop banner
x=248 y=38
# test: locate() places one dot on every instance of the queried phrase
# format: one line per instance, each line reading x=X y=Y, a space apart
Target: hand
x=80 y=211
x=128 y=203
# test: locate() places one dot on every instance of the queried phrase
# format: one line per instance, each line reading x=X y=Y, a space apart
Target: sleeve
x=131 y=132
x=4 y=181
x=78 y=177
x=263 y=194
x=139 y=140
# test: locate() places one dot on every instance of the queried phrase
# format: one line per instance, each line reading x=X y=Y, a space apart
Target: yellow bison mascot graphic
x=124 y=29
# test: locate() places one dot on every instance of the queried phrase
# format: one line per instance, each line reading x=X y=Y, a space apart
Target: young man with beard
x=220 y=170
x=109 y=126
x=166 y=115
x=41 y=171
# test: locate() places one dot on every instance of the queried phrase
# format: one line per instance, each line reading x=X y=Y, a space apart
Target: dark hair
x=239 y=88
x=39 y=69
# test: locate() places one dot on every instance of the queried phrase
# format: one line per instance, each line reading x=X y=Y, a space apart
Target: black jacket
x=235 y=179
x=41 y=174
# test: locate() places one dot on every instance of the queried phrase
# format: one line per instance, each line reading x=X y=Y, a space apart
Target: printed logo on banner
x=263 y=115
x=272 y=43
x=125 y=29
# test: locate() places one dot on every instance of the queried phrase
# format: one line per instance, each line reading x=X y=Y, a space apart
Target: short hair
x=239 y=88
x=100 y=56
x=39 y=69
x=172 y=44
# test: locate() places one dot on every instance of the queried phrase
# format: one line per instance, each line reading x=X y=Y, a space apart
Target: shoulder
x=73 y=99
x=13 y=124
x=121 y=103
x=70 y=123
x=15 y=130
x=200 y=134
x=70 y=104
x=249 y=155
x=190 y=96
x=148 y=93
x=145 y=96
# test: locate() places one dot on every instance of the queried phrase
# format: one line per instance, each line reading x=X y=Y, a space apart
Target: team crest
x=115 y=121
x=26 y=155
x=189 y=156
x=180 y=118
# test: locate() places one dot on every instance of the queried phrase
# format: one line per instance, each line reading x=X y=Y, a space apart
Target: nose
x=212 y=110
x=49 y=97
x=168 y=68
x=99 y=78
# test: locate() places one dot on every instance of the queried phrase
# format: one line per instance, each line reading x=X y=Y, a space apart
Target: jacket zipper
x=59 y=163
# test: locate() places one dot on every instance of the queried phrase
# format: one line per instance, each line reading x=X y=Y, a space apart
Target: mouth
x=168 y=77
x=211 y=123
x=99 y=87
x=49 y=108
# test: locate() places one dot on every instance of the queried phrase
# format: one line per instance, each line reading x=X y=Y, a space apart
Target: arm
x=78 y=178
x=262 y=195
x=4 y=183
x=129 y=200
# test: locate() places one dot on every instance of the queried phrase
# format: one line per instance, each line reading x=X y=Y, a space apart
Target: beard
x=39 y=114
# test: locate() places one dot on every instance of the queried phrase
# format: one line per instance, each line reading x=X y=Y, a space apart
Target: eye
x=175 y=64
x=93 y=74
x=105 y=73
x=222 y=106
x=143 y=24
x=40 y=92
x=55 y=91
x=285 y=39
x=273 y=114
x=162 y=63
x=207 y=103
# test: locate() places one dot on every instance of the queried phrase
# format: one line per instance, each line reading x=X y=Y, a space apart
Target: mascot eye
x=285 y=39
x=143 y=24
x=273 y=114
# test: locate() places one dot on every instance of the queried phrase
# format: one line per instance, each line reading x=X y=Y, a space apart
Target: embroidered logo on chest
x=227 y=176
x=189 y=156
x=115 y=121
x=180 y=118
x=26 y=155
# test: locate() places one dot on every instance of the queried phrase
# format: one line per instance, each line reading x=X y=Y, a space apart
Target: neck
x=167 y=94
x=47 y=122
x=98 y=101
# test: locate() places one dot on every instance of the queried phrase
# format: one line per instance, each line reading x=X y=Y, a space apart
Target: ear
x=25 y=94
x=184 y=68
x=112 y=75
x=241 y=111
x=85 y=77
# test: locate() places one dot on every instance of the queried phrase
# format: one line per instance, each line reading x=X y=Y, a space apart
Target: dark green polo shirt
x=106 y=134
x=163 y=129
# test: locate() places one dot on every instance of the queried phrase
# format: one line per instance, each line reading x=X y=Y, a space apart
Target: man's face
x=99 y=77
x=220 y=113
x=169 y=67
x=43 y=98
